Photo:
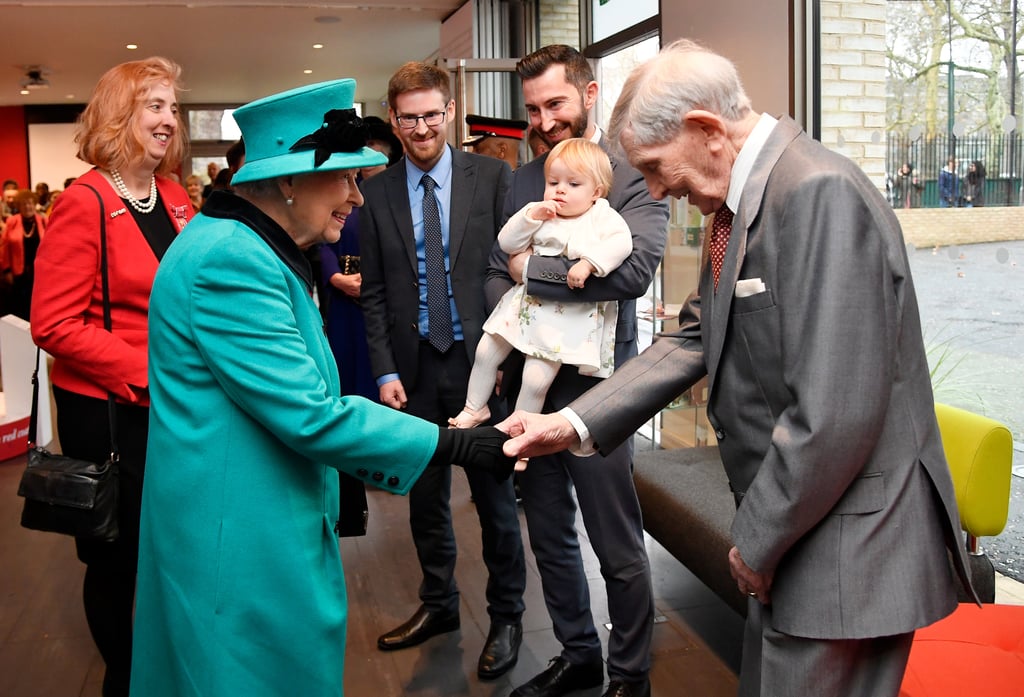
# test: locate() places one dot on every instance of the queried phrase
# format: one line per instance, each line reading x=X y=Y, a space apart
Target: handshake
x=497 y=449
x=474 y=448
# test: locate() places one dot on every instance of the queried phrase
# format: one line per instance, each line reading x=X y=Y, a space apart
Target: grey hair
x=684 y=76
x=258 y=188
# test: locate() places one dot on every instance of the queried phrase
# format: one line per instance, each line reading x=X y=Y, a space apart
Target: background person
x=22 y=234
x=421 y=350
x=241 y=591
x=559 y=91
x=138 y=103
x=339 y=266
x=974 y=185
x=949 y=185
x=194 y=187
x=42 y=197
x=494 y=137
x=836 y=498
x=906 y=188
x=7 y=208
x=573 y=220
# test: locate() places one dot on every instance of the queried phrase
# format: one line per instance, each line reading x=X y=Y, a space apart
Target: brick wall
x=853 y=82
x=560 y=22
x=928 y=227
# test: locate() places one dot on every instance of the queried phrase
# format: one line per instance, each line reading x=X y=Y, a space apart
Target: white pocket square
x=749 y=286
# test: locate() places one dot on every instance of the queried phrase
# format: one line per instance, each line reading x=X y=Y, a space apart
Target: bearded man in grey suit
x=819 y=389
x=559 y=91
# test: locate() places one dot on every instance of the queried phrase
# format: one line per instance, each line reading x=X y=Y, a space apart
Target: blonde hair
x=107 y=132
x=585 y=157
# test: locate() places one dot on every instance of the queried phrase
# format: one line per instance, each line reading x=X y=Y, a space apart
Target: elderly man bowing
x=806 y=323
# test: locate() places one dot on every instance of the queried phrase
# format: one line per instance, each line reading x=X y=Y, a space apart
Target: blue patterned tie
x=439 y=313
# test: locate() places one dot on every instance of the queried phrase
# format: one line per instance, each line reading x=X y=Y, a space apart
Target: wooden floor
x=46 y=651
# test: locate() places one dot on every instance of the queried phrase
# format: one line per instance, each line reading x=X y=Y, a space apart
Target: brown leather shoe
x=620 y=688
x=501 y=650
x=420 y=627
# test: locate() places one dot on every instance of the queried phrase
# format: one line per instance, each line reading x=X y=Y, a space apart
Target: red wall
x=13 y=145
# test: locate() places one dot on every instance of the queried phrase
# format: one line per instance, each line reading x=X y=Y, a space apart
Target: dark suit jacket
x=821 y=399
x=390 y=290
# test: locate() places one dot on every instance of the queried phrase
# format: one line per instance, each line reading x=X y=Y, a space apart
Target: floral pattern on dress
x=580 y=334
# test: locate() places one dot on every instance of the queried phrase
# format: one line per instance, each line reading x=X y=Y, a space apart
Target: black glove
x=477 y=448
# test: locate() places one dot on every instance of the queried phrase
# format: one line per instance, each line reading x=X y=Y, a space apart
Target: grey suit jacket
x=648 y=223
x=390 y=288
x=820 y=397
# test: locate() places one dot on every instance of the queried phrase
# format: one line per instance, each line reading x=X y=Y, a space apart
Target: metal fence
x=1002 y=157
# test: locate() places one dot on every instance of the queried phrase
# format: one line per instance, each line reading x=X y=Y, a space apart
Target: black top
x=156 y=226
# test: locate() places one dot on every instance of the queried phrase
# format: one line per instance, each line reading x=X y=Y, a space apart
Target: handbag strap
x=107 y=324
x=111 y=405
x=33 y=418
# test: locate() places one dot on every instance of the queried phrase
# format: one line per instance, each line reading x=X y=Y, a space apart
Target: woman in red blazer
x=21 y=237
x=132 y=133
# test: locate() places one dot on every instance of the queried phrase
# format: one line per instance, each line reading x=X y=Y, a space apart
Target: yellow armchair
x=980 y=455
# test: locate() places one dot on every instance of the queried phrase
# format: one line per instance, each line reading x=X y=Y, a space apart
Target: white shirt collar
x=745 y=159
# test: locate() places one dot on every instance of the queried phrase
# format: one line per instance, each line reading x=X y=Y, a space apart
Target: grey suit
x=821 y=400
x=436 y=383
x=603 y=484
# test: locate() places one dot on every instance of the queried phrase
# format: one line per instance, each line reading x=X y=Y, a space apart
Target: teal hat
x=307 y=129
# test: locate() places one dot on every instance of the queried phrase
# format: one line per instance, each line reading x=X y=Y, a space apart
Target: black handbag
x=64 y=494
x=355 y=514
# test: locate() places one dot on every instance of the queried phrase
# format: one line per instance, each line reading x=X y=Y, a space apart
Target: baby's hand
x=579 y=273
x=543 y=210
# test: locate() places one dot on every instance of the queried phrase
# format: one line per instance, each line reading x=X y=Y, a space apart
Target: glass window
x=926 y=97
x=212 y=124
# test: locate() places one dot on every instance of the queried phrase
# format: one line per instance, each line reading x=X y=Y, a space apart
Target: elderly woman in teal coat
x=240 y=588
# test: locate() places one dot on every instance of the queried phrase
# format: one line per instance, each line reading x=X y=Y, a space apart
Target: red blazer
x=12 y=248
x=67 y=299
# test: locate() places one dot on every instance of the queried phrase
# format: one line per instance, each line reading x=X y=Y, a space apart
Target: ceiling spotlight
x=25 y=92
x=131 y=47
x=318 y=45
x=307 y=71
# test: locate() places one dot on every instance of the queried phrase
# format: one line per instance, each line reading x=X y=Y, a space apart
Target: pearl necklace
x=127 y=195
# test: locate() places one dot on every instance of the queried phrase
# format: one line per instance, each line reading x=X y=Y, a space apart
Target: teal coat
x=240 y=586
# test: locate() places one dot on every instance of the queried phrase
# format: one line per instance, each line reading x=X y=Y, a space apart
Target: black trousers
x=108 y=593
x=439 y=394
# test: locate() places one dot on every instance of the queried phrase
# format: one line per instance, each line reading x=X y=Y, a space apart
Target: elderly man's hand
x=750 y=582
x=537 y=434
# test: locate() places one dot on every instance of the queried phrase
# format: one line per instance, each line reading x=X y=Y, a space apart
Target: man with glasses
x=426 y=229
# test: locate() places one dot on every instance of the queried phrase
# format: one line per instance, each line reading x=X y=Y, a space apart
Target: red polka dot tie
x=720 y=229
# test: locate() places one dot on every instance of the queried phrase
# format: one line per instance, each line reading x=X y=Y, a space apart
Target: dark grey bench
x=688 y=509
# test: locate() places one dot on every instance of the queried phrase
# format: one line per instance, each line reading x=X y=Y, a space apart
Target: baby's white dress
x=583 y=333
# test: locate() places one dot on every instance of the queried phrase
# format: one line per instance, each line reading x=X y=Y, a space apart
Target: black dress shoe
x=620 y=688
x=561 y=678
x=420 y=627
x=501 y=650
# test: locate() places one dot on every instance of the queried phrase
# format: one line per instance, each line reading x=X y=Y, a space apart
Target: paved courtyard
x=972 y=312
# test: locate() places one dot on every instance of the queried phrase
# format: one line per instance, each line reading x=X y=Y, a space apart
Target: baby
x=574 y=220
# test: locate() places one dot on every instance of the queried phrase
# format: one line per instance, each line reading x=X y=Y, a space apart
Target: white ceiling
x=231 y=51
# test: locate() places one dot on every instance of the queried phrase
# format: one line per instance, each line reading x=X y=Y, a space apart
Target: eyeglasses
x=431 y=118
